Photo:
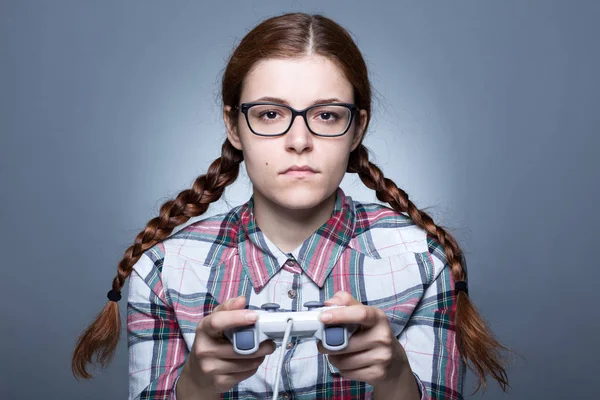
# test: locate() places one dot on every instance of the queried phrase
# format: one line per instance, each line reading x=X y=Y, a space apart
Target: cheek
x=259 y=163
x=336 y=156
x=264 y=162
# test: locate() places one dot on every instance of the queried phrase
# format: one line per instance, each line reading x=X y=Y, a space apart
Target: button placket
x=295 y=295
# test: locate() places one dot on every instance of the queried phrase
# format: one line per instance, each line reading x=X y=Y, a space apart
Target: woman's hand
x=373 y=354
x=213 y=367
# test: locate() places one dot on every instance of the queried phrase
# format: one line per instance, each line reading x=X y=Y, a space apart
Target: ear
x=360 y=130
x=232 y=132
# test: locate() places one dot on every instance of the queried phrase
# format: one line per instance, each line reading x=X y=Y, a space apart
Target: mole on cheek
x=267 y=163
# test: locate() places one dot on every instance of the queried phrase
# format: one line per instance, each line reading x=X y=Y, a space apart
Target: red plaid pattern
x=378 y=255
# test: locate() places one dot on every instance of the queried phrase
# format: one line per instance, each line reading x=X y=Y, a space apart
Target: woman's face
x=300 y=82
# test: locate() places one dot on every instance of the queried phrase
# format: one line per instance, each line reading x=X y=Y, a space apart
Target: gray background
x=485 y=112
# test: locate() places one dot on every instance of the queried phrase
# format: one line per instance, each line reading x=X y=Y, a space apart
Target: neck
x=288 y=228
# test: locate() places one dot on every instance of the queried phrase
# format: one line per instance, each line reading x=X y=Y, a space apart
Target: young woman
x=297 y=104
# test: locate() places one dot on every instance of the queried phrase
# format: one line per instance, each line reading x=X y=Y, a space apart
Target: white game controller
x=272 y=325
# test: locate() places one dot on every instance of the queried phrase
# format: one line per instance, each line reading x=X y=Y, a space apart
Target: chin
x=300 y=197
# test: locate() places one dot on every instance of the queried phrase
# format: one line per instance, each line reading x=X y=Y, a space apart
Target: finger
x=226 y=381
x=358 y=360
x=223 y=366
x=356 y=314
x=234 y=303
x=225 y=305
x=265 y=348
x=358 y=342
x=214 y=324
x=342 y=298
x=370 y=374
x=223 y=348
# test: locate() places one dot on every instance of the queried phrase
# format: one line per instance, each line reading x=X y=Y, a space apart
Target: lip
x=299 y=170
x=299 y=173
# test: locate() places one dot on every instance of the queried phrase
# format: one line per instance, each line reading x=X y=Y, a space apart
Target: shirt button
x=285 y=396
x=289 y=345
x=291 y=293
x=290 y=263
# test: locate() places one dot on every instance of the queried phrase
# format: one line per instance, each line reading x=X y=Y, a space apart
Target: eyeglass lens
x=323 y=120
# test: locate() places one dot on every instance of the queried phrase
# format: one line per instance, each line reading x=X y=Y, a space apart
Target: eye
x=269 y=113
x=329 y=115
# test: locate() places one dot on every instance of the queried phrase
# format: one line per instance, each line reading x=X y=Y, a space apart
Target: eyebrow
x=283 y=101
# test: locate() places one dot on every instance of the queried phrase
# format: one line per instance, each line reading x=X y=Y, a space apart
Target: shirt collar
x=316 y=256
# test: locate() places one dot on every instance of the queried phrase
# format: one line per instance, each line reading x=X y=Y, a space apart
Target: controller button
x=291 y=293
x=313 y=304
x=334 y=336
x=244 y=340
x=270 y=307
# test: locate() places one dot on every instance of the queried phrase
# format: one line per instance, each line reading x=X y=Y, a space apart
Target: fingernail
x=326 y=316
x=251 y=317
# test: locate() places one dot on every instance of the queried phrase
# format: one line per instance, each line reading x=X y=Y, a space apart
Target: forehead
x=299 y=81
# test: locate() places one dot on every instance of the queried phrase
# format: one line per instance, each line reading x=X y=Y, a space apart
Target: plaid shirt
x=378 y=255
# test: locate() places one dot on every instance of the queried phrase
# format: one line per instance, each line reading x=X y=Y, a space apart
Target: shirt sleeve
x=429 y=338
x=157 y=350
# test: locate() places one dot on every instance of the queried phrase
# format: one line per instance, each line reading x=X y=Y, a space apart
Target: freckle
x=267 y=163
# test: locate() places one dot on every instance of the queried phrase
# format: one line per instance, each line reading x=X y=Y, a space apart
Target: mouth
x=299 y=168
x=299 y=173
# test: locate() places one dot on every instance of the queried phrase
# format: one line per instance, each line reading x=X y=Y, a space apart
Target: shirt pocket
x=395 y=285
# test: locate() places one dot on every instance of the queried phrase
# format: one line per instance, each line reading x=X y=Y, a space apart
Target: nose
x=299 y=138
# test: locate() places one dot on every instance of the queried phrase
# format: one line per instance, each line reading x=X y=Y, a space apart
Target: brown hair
x=290 y=36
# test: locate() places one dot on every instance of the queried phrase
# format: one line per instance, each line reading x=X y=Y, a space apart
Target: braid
x=476 y=343
x=102 y=336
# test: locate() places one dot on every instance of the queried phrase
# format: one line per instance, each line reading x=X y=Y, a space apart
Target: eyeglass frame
x=246 y=106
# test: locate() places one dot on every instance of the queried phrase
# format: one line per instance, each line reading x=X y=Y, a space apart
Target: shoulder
x=216 y=234
x=198 y=245
x=383 y=232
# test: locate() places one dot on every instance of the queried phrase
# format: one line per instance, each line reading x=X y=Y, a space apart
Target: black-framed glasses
x=273 y=119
